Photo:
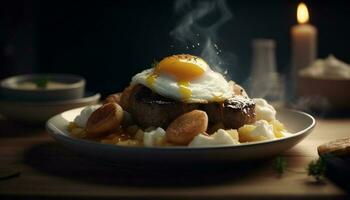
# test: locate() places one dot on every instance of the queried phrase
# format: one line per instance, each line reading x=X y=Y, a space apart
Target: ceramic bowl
x=39 y=112
x=333 y=92
x=72 y=87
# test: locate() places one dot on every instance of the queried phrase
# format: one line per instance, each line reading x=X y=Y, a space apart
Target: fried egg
x=185 y=78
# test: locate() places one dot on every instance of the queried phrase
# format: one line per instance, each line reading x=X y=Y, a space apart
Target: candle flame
x=302 y=13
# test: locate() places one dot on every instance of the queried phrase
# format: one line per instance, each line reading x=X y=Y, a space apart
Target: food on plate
x=187 y=126
x=329 y=68
x=180 y=101
x=114 y=98
x=151 y=109
x=339 y=147
x=40 y=84
x=84 y=115
x=106 y=118
x=233 y=112
x=220 y=137
x=185 y=78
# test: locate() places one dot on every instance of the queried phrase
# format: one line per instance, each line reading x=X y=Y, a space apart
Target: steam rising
x=192 y=33
x=197 y=33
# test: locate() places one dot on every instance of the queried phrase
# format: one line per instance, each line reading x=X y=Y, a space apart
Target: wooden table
x=48 y=170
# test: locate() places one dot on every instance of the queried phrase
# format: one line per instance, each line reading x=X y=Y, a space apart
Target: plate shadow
x=53 y=159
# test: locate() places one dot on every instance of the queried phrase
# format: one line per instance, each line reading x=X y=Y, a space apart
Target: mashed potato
x=154 y=137
x=263 y=110
x=220 y=137
x=84 y=115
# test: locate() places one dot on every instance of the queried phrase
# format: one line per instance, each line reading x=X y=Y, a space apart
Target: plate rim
x=56 y=132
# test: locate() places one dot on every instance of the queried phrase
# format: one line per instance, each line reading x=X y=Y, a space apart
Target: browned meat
x=233 y=112
x=151 y=109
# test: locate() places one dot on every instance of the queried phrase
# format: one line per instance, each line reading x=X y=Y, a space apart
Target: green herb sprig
x=41 y=82
x=315 y=168
x=279 y=165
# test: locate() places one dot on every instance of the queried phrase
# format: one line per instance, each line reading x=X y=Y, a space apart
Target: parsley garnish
x=316 y=168
x=279 y=165
x=41 y=82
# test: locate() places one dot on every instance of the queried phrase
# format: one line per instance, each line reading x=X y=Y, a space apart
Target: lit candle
x=304 y=41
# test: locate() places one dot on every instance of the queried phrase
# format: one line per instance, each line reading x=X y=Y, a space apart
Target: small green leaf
x=41 y=82
x=279 y=165
x=317 y=168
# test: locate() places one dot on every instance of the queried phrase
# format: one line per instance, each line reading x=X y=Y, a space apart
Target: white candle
x=304 y=41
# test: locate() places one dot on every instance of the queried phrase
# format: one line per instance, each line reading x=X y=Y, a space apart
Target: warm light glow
x=302 y=13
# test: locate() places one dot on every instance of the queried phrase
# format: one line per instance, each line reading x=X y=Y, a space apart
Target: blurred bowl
x=334 y=91
x=59 y=87
x=36 y=112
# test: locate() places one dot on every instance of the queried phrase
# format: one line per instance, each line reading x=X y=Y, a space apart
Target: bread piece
x=339 y=147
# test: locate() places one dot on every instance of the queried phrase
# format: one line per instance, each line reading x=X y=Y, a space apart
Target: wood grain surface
x=40 y=167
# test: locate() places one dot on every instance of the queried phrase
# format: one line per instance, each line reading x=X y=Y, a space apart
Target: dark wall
x=109 y=41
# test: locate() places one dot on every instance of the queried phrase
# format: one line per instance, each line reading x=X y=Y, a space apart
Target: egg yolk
x=218 y=97
x=184 y=68
x=151 y=79
x=184 y=89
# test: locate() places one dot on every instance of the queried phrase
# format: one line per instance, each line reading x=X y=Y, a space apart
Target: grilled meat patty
x=233 y=112
x=151 y=109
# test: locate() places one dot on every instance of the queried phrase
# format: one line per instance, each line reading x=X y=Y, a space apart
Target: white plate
x=298 y=123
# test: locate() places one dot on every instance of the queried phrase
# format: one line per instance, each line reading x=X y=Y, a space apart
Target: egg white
x=210 y=87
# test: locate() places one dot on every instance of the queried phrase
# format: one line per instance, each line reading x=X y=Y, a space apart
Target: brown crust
x=339 y=147
x=126 y=96
x=233 y=112
x=151 y=109
x=113 y=98
x=187 y=126
x=106 y=118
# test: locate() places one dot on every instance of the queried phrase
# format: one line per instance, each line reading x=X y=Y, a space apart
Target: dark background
x=109 y=41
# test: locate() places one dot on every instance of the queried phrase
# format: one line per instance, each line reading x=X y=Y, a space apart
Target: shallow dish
x=38 y=112
x=334 y=91
x=73 y=87
x=298 y=123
